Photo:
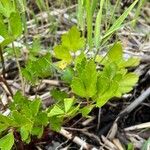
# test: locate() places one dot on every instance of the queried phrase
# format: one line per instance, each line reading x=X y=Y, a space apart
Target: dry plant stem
x=99 y=119
x=118 y=144
x=137 y=102
x=108 y=143
x=139 y=126
x=19 y=68
x=76 y=140
x=2 y=60
x=6 y=84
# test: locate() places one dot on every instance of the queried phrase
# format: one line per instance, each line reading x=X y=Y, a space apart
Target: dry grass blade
x=139 y=126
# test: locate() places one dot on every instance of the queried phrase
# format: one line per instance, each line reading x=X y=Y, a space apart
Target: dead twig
x=76 y=140
x=136 y=102
x=139 y=126
x=6 y=84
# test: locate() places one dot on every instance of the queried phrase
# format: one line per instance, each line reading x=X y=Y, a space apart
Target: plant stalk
x=19 y=68
x=6 y=84
x=3 y=62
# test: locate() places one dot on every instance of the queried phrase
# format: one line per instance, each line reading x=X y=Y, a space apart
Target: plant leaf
x=68 y=102
x=25 y=132
x=15 y=24
x=126 y=83
x=40 y=68
x=20 y=119
x=78 y=87
x=55 y=123
x=3 y=29
x=6 y=7
x=106 y=89
x=7 y=142
x=84 y=84
x=56 y=110
x=35 y=106
x=116 y=52
x=86 y=110
x=62 y=53
x=73 y=40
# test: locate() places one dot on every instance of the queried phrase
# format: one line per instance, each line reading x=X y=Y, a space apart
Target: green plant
x=25 y=117
x=86 y=11
x=146 y=144
x=92 y=80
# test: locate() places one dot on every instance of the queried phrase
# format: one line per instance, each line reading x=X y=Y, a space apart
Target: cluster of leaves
x=95 y=81
x=112 y=80
x=37 y=69
x=10 y=22
x=26 y=117
x=65 y=108
x=71 y=42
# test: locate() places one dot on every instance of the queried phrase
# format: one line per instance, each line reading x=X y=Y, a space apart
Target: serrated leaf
x=41 y=119
x=6 y=7
x=58 y=95
x=78 y=87
x=132 y=62
x=5 y=120
x=127 y=82
x=110 y=71
x=72 y=112
x=68 y=75
x=68 y=102
x=3 y=29
x=115 y=55
x=116 y=52
x=56 y=110
x=40 y=68
x=84 y=84
x=106 y=89
x=7 y=142
x=78 y=60
x=38 y=131
x=15 y=24
x=3 y=127
x=20 y=119
x=73 y=40
x=55 y=123
x=62 y=53
x=86 y=110
x=25 y=132
x=35 y=106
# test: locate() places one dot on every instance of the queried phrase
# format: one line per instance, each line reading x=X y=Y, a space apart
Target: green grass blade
x=89 y=23
x=137 y=13
x=113 y=12
x=80 y=15
x=120 y=20
x=94 y=4
x=98 y=25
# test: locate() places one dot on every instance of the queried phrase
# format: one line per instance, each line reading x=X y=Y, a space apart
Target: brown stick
x=8 y=87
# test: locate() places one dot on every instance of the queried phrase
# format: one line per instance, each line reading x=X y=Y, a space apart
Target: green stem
x=3 y=62
x=19 y=68
x=89 y=23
